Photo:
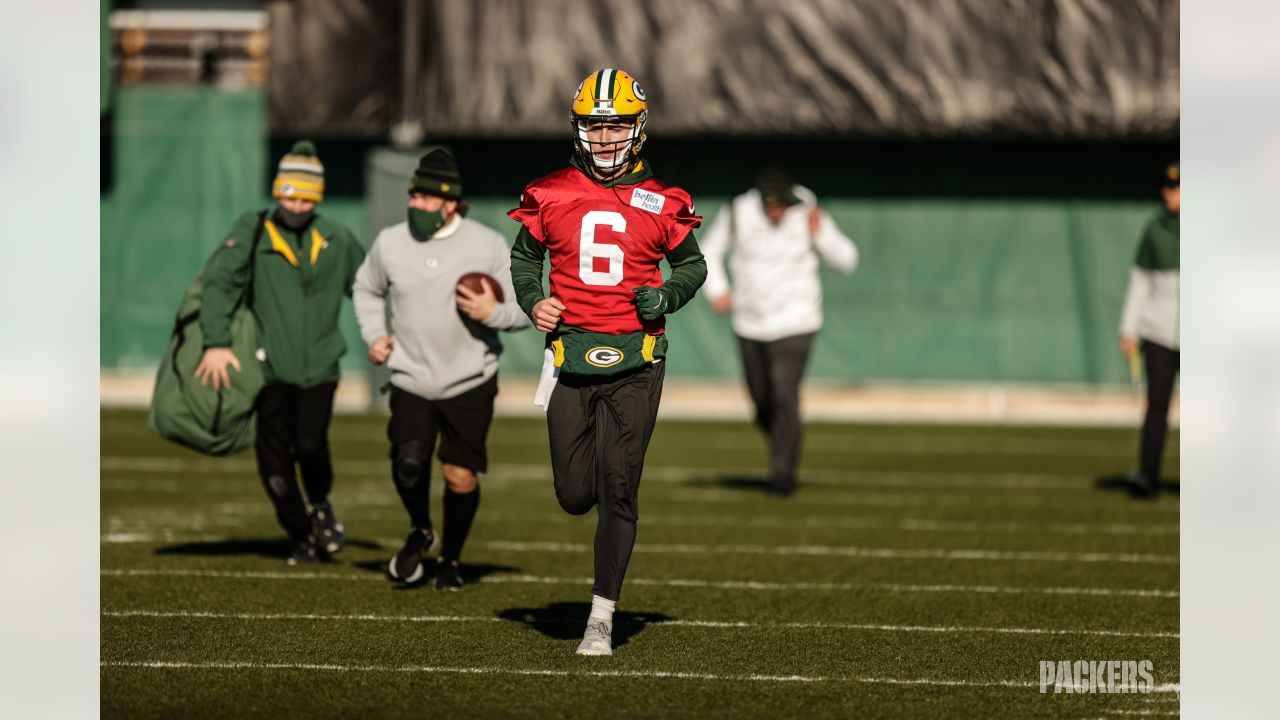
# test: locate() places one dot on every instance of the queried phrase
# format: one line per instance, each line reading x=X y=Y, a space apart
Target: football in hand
x=472 y=281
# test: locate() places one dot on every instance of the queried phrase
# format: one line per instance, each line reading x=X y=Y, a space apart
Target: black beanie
x=437 y=174
x=775 y=187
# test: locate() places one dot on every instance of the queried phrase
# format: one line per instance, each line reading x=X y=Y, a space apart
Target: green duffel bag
x=214 y=422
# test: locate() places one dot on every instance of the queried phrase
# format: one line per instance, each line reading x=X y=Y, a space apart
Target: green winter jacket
x=1151 y=304
x=300 y=278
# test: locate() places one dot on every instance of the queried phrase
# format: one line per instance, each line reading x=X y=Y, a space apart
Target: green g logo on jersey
x=603 y=357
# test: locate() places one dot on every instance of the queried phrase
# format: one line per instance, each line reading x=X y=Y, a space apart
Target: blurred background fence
x=994 y=161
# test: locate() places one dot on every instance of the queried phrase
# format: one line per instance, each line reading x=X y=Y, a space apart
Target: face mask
x=293 y=220
x=424 y=224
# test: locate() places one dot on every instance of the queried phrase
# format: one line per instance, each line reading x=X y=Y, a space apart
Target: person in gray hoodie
x=442 y=349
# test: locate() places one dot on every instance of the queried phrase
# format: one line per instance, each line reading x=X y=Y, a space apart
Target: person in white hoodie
x=774 y=236
x=1149 y=323
x=442 y=348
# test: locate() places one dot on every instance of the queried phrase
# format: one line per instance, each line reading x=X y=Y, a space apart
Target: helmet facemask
x=613 y=157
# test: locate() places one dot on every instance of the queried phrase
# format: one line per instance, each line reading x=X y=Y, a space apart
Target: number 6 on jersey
x=589 y=249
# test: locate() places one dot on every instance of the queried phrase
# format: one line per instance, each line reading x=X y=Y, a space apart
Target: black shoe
x=329 y=532
x=781 y=486
x=406 y=566
x=304 y=552
x=1143 y=487
x=448 y=576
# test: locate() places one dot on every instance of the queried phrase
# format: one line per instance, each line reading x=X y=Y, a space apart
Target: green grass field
x=919 y=572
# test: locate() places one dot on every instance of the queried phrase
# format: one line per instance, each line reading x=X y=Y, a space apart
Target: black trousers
x=293 y=427
x=599 y=432
x=774 y=370
x=1161 y=365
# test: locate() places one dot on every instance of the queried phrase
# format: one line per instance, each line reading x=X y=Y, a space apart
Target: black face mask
x=293 y=220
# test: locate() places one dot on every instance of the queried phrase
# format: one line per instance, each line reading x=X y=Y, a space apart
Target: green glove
x=650 y=302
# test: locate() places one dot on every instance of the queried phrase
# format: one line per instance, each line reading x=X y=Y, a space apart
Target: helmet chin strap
x=613 y=163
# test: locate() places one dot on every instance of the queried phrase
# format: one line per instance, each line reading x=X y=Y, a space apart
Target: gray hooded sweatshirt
x=439 y=352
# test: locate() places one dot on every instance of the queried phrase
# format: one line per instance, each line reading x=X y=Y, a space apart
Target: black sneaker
x=448 y=575
x=304 y=552
x=781 y=486
x=329 y=532
x=406 y=566
x=1143 y=487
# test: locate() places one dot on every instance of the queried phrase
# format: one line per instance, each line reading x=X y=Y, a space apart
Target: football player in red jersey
x=605 y=222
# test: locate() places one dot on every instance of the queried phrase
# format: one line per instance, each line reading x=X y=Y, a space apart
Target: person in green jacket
x=303 y=266
x=1149 y=325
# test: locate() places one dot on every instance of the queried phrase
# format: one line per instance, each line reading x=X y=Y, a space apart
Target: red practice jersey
x=603 y=242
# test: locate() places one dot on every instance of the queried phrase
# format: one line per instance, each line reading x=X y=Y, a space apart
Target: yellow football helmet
x=609 y=95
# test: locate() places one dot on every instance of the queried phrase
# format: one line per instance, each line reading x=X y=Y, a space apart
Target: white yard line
x=380 y=494
x=852 y=443
x=1114 y=503
x=877 y=522
x=653 y=472
x=698 y=549
x=678 y=675
x=729 y=624
x=223 y=517
x=637 y=581
x=842 y=551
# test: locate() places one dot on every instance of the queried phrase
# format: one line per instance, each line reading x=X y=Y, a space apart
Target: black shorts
x=462 y=421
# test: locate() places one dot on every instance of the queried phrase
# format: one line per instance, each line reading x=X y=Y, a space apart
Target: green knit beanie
x=437 y=174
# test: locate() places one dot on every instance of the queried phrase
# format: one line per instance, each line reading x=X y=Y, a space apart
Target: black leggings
x=1161 y=365
x=599 y=431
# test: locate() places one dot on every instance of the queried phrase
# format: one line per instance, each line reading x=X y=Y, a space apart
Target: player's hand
x=722 y=304
x=650 y=302
x=1128 y=345
x=381 y=349
x=478 y=306
x=815 y=219
x=214 y=366
x=547 y=313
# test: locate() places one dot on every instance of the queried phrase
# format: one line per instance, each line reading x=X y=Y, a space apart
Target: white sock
x=602 y=609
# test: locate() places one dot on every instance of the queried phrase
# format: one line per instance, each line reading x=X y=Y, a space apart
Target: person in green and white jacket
x=1150 y=322
x=303 y=266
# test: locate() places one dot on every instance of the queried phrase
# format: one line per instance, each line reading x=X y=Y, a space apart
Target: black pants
x=293 y=427
x=599 y=432
x=1161 y=365
x=773 y=371
x=461 y=423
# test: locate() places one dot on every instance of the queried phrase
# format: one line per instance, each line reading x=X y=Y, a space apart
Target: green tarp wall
x=946 y=289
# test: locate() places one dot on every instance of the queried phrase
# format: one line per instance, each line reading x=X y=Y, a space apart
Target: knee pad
x=278 y=485
x=409 y=464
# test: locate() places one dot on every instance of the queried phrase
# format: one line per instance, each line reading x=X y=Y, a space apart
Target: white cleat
x=597 y=639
